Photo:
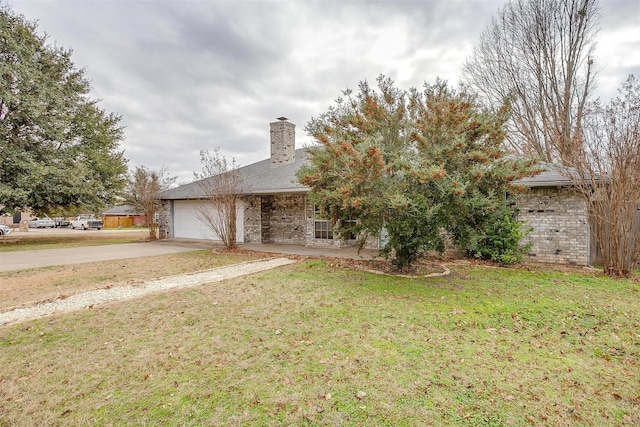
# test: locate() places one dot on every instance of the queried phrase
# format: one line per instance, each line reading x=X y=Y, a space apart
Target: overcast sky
x=187 y=75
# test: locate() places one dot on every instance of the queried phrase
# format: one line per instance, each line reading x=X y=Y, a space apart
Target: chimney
x=283 y=142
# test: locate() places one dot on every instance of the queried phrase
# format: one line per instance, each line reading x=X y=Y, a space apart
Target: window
x=322 y=227
x=350 y=235
x=323 y=230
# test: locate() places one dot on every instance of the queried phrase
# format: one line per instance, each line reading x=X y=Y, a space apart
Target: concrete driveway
x=48 y=257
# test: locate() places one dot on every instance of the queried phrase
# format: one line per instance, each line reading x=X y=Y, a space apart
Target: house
x=558 y=217
x=274 y=208
x=122 y=216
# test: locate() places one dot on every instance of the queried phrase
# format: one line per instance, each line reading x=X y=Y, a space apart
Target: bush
x=501 y=243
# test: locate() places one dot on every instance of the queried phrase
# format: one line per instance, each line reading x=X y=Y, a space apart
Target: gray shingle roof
x=259 y=178
x=121 y=210
x=551 y=176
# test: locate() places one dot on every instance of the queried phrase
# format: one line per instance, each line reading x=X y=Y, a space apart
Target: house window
x=350 y=235
x=323 y=230
x=322 y=226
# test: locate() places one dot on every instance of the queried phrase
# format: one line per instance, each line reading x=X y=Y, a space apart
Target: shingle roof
x=259 y=178
x=121 y=210
x=551 y=176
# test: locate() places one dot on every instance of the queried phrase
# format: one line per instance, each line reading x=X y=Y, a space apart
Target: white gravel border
x=103 y=296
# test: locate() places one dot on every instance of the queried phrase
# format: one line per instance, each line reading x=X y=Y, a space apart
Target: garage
x=187 y=225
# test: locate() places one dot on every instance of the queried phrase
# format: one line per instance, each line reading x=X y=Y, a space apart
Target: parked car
x=4 y=230
x=62 y=222
x=86 y=221
x=43 y=222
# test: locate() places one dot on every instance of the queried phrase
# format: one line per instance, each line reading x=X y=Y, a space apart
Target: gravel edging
x=103 y=296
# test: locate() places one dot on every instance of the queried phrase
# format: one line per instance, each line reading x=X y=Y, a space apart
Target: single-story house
x=558 y=218
x=274 y=208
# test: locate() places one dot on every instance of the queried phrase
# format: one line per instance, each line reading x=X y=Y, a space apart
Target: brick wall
x=165 y=218
x=283 y=143
x=275 y=219
x=252 y=219
x=560 y=225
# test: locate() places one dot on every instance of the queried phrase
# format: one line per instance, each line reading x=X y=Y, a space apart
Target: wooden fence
x=118 y=221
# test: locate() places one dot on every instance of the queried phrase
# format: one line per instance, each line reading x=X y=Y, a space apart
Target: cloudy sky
x=187 y=75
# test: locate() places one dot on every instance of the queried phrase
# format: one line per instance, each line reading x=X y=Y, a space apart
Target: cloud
x=192 y=75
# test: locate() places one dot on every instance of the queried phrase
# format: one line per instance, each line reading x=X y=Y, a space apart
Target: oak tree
x=58 y=148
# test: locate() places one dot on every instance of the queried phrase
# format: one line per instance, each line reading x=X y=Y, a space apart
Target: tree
x=143 y=184
x=607 y=175
x=222 y=184
x=538 y=56
x=58 y=148
x=415 y=163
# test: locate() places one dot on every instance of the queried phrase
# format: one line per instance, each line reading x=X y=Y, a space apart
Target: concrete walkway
x=348 y=252
x=119 y=293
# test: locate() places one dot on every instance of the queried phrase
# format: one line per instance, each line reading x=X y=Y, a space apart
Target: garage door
x=186 y=223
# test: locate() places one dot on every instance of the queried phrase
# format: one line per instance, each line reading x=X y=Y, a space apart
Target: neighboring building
x=275 y=208
x=123 y=216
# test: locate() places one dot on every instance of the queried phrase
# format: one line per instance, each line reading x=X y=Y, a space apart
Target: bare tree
x=222 y=184
x=142 y=186
x=607 y=175
x=536 y=56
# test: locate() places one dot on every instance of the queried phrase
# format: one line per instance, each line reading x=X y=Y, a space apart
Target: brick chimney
x=283 y=142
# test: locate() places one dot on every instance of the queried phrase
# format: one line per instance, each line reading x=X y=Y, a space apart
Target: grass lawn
x=26 y=287
x=31 y=242
x=318 y=344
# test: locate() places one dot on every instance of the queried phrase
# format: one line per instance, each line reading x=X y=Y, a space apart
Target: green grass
x=15 y=243
x=294 y=346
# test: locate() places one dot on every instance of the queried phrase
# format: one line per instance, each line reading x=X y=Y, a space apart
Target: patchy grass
x=27 y=287
x=26 y=242
x=312 y=344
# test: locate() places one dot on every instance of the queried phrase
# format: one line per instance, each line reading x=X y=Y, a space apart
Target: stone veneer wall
x=286 y=219
x=275 y=219
x=283 y=143
x=165 y=227
x=372 y=241
x=560 y=225
x=252 y=219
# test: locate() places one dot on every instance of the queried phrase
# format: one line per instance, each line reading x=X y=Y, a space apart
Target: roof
x=551 y=176
x=121 y=210
x=259 y=178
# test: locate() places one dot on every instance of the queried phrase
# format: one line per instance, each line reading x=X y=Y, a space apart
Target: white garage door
x=187 y=225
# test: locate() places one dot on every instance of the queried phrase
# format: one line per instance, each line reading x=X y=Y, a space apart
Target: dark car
x=62 y=222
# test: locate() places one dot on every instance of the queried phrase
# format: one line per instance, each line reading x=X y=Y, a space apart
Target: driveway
x=48 y=257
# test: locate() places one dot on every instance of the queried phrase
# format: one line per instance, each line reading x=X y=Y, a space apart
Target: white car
x=4 y=230
x=43 y=222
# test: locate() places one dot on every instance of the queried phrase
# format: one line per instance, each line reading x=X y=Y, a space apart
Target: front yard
x=319 y=344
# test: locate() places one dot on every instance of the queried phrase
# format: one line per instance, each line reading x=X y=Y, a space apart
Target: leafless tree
x=607 y=175
x=142 y=186
x=221 y=184
x=537 y=56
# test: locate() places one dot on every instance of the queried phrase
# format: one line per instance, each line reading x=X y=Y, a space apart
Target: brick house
x=275 y=209
x=558 y=217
